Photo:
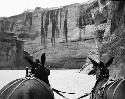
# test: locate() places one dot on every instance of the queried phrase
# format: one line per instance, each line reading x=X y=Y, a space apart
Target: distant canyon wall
x=11 y=52
x=67 y=34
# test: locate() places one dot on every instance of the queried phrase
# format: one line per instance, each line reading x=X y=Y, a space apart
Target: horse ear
x=43 y=58
x=109 y=62
x=30 y=61
x=94 y=62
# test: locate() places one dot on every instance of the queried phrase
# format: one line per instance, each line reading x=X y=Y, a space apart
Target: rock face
x=64 y=33
x=109 y=20
x=114 y=44
x=11 y=51
x=71 y=33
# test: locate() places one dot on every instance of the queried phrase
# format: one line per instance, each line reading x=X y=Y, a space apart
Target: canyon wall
x=113 y=45
x=110 y=39
x=67 y=34
x=11 y=51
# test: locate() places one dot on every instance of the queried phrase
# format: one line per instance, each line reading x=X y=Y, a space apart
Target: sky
x=15 y=7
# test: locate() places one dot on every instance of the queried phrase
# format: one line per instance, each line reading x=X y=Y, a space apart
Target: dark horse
x=30 y=87
x=39 y=70
x=105 y=88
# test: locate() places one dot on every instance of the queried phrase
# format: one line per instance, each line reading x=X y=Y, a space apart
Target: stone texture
x=11 y=51
x=109 y=34
x=113 y=45
x=67 y=34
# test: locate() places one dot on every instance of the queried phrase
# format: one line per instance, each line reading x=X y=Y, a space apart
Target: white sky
x=15 y=7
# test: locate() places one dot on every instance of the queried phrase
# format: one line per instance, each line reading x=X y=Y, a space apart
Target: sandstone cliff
x=110 y=40
x=67 y=34
x=60 y=32
x=11 y=51
x=114 y=44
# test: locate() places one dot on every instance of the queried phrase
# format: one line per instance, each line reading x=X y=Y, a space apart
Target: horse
x=39 y=70
x=29 y=87
x=106 y=88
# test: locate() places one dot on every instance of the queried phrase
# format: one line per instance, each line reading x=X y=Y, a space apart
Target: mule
x=29 y=87
x=39 y=70
x=105 y=88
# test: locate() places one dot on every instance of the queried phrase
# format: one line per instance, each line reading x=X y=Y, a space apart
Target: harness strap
x=85 y=95
x=104 y=85
x=63 y=91
x=59 y=93
x=107 y=82
x=117 y=87
x=10 y=86
x=100 y=91
x=16 y=88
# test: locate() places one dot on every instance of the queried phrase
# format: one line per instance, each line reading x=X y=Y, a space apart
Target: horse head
x=39 y=69
x=101 y=69
x=29 y=87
